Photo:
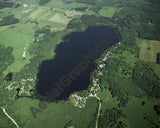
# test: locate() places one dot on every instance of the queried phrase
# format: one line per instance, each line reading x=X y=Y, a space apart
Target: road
x=4 y=111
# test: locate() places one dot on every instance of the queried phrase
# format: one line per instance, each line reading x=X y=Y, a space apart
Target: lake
x=73 y=63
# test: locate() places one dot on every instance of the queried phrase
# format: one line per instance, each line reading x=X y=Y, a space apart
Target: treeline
x=5 y=4
x=158 y=58
x=8 y=20
x=80 y=8
x=91 y=2
x=43 y=2
x=157 y=109
x=6 y=58
x=112 y=118
x=89 y=20
x=102 y=2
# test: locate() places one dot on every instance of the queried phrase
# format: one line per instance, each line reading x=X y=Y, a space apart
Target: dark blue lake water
x=70 y=69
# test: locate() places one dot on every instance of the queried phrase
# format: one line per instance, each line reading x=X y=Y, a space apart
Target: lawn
x=18 y=41
x=107 y=11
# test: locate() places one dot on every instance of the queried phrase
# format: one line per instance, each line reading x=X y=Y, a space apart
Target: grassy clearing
x=6 y=12
x=59 y=19
x=107 y=11
x=107 y=100
x=4 y=9
x=130 y=58
x=2 y=28
x=54 y=25
x=30 y=2
x=37 y=13
x=47 y=15
x=128 y=86
x=17 y=41
x=135 y=112
x=5 y=122
x=58 y=115
x=19 y=110
x=27 y=28
x=149 y=50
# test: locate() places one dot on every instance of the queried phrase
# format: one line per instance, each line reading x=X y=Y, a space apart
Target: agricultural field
x=149 y=50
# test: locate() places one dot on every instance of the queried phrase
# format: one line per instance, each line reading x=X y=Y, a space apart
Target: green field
x=56 y=115
x=18 y=41
x=107 y=11
x=136 y=112
x=149 y=50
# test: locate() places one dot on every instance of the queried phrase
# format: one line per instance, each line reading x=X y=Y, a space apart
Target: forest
x=8 y=20
x=6 y=58
x=158 y=58
x=43 y=2
x=145 y=78
x=4 y=4
x=112 y=118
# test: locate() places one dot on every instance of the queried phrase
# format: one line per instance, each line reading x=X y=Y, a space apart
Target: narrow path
x=99 y=109
x=3 y=109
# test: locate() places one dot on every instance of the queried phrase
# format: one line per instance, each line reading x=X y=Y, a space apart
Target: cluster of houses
x=81 y=101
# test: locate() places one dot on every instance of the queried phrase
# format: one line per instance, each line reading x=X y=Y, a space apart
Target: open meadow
x=149 y=50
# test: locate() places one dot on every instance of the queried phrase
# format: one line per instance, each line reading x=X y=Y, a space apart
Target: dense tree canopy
x=42 y=2
x=112 y=118
x=5 y=4
x=8 y=20
x=145 y=78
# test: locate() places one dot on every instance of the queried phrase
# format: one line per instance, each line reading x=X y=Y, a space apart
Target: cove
x=55 y=78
